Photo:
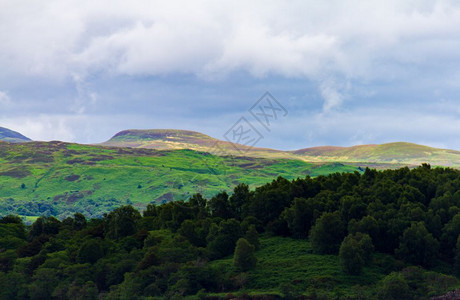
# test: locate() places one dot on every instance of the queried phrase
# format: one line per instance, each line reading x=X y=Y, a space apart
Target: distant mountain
x=399 y=152
x=11 y=136
x=393 y=153
x=170 y=139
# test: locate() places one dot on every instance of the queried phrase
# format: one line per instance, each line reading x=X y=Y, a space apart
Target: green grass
x=286 y=260
x=96 y=179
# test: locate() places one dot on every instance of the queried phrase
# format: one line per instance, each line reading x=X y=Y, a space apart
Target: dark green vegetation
x=390 y=234
x=11 y=136
x=59 y=179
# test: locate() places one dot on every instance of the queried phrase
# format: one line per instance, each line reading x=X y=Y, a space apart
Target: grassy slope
x=399 y=153
x=286 y=260
x=66 y=174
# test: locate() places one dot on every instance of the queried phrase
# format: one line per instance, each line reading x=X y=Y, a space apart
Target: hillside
x=11 y=136
x=169 y=139
x=394 y=153
x=375 y=235
x=400 y=152
x=56 y=178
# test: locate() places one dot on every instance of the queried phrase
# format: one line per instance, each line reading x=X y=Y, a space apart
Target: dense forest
x=390 y=234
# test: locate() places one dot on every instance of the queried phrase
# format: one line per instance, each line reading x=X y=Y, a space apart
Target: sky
x=346 y=72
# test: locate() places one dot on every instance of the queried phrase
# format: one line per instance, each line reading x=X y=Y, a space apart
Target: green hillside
x=400 y=152
x=56 y=178
x=395 y=153
x=11 y=136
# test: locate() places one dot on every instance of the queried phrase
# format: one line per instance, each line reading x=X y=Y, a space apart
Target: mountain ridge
x=394 y=152
x=11 y=136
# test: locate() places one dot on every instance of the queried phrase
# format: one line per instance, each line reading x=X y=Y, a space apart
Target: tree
x=253 y=237
x=393 y=287
x=457 y=258
x=355 y=252
x=79 y=221
x=222 y=238
x=328 y=233
x=121 y=222
x=299 y=216
x=90 y=251
x=238 y=199
x=244 y=259
x=417 y=245
x=220 y=206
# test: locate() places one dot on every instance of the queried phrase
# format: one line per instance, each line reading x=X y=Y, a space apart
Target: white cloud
x=300 y=38
x=4 y=99
x=331 y=43
x=43 y=127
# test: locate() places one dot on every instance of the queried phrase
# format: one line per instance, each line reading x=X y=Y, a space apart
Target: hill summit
x=160 y=139
x=8 y=135
x=393 y=153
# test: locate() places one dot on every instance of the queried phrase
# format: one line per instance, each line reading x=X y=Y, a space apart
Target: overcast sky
x=347 y=72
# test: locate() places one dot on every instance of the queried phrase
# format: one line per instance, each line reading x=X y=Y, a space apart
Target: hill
x=376 y=235
x=394 y=153
x=11 y=136
x=168 y=139
x=56 y=178
x=400 y=152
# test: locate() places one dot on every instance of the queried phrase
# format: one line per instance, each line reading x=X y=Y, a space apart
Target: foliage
x=327 y=233
x=355 y=251
x=207 y=248
x=244 y=259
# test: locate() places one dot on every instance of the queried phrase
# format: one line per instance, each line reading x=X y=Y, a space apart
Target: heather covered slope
x=168 y=139
x=11 y=136
x=394 y=153
x=400 y=152
x=56 y=178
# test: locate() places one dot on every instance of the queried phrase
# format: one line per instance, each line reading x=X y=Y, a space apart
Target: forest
x=391 y=234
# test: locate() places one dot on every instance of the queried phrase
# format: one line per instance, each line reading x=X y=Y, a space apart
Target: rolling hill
x=400 y=152
x=393 y=153
x=11 y=136
x=169 y=139
x=56 y=178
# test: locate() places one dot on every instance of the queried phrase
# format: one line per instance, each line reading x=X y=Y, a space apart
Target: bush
x=393 y=286
x=244 y=258
x=328 y=233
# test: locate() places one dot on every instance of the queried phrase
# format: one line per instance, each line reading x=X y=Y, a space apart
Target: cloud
x=404 y=49
x=303 y=38
x=4 y=99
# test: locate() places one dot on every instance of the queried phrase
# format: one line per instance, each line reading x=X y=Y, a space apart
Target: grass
x=96 y=179
x=284 y=260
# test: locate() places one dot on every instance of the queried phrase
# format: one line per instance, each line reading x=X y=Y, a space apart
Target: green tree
x=328 y=233
x=457 y=257
x=355 y=252
x=90 y=251
x=417 y=245
x=393 y=287
x=244 y=259
x=299 y=216
x=79 y=221
x=253 y=237
x=222 y=238
x=121 y=222
x=239 y=199
x=220 y=206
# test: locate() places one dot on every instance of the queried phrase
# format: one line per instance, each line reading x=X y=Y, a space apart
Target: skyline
x=347 y=73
